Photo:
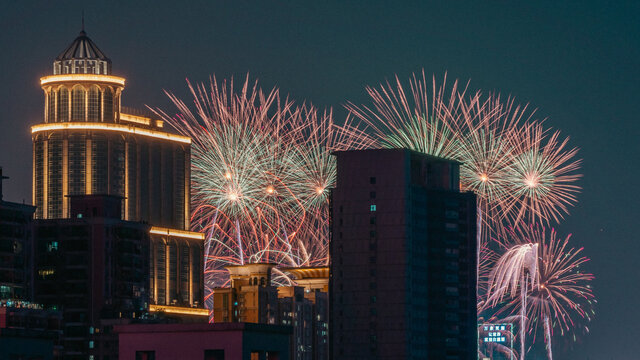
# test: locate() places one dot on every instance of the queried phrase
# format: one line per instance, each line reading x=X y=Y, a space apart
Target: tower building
x=402 y=251
x=87 y=145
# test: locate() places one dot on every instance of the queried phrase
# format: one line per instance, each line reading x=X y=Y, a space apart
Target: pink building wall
x=189 y=341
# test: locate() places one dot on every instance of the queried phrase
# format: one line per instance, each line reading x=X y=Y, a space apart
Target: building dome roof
x=82 y=56
x=82 y=48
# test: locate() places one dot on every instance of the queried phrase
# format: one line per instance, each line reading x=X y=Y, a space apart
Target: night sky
x=578 y=64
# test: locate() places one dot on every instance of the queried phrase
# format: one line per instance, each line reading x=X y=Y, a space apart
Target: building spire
x=82 y=32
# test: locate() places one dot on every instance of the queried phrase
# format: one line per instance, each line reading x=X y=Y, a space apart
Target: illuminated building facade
x=251 y=298
x=87 y=145
x=16 y=241
x=403 y=274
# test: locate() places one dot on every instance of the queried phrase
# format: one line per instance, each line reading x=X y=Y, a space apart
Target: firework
x=541 y=177
x=540 y=277
x=520 y=172
x=421 y=121
x=261 y=170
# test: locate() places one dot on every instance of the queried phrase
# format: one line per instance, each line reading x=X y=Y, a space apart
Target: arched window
x=108 y=105
x=94 y=104
x=63 y=105
x=77 y=104
x=262 y=281
x=51 y=106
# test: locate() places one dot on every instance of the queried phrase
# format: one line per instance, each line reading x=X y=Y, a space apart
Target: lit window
x=373 y=208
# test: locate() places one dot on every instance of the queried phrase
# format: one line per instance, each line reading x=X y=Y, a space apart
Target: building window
x=63 y=105
x=53 y=245
x=94 y=104
x=372 y=220
x=372 y=208
x=77 y=104
x=217 y=354
x=146 y=355
x=372 y=180
x=107 y=115
x=372 y=195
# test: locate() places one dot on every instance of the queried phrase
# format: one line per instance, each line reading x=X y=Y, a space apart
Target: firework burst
x=541 y=177
x=540 y=277
x=261 y=170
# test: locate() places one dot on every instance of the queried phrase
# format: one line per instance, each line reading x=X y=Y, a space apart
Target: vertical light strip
x=46 y=106
x=126 y=178
x=88 y=176
x=86 y=103
x=45 y=177
x=55 y=105
x=167 y=269
x=187 y=190
x=154 y=256
x=190 y=277
x=65 y=177
x=33 y=175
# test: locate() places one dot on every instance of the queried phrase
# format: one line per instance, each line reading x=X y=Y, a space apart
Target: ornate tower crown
x=82 y=57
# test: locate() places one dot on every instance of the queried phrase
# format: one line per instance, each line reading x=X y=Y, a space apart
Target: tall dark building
x=93 y=266
x=403 y=259
x=16 y=239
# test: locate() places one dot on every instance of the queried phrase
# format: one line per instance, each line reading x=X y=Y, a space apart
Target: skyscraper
x=402 y=258
x=86 y=145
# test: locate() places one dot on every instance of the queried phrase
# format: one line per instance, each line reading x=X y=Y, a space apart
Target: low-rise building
x=28 y=331
x=220 y=341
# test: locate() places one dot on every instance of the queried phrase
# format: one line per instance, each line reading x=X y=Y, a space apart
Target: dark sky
x=577 y=62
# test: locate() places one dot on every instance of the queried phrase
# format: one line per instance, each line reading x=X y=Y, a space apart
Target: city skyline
x=598 y=222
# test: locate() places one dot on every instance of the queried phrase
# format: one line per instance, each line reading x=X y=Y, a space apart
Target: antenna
x=82 y=19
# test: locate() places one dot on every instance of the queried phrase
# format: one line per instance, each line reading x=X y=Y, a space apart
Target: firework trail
x=546 y=272
x=261 y=170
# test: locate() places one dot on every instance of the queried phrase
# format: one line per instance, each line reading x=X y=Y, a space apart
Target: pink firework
x=261 y=172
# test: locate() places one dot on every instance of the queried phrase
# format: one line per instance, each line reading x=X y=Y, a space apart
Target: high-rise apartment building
x=403 y=258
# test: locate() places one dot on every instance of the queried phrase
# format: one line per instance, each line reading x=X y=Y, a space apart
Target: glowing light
x=82 y=77
x=319 y=190
x=178 y=310
x=270 y=190
x=176 y=233
x=110 y=127
x=232 y=196
x=135 y=119
x=484 y=177
x=227 y=175
x=531 y=181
